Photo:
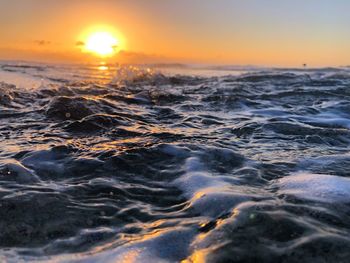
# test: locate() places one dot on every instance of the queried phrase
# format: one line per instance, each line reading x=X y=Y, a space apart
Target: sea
x=174 y=163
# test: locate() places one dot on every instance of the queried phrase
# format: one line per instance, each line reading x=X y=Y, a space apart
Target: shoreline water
x=128 y=163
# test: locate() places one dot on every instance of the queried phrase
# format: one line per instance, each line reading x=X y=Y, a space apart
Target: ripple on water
x=152 y=168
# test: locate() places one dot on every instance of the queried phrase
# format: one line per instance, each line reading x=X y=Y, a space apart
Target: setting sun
x=101 y=43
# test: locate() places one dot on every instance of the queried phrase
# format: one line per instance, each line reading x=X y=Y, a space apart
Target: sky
x=236 y=32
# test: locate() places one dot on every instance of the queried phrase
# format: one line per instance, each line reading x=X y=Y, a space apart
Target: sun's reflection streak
x=103 y=68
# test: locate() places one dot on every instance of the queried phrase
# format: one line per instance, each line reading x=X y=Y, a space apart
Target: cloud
x=42 y=42
x=79 y=43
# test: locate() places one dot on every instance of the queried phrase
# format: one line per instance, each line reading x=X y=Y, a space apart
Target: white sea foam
x=316 y=187
x=20 y=173
x=210 y=195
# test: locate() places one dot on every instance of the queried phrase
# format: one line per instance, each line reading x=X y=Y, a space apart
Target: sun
x=102 y=43
x=101 y=40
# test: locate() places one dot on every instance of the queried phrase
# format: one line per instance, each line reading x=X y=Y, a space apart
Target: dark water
x=128 y=165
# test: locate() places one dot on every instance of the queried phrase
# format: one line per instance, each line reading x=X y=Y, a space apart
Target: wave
x=149 y=167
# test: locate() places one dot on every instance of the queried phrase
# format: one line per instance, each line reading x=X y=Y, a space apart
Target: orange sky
x=281 y=33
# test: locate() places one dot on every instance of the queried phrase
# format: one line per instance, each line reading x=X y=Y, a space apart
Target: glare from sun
x=102 y=44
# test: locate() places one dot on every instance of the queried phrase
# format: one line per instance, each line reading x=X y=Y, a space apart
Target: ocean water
x=109 y=163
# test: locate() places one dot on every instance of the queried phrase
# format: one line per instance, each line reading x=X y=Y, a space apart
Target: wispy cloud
x=42 y=42
x=79 y=43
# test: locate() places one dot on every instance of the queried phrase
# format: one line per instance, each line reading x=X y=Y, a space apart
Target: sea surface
x=110 y=163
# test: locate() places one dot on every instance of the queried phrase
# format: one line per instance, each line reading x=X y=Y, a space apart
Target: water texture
x=124 y=164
